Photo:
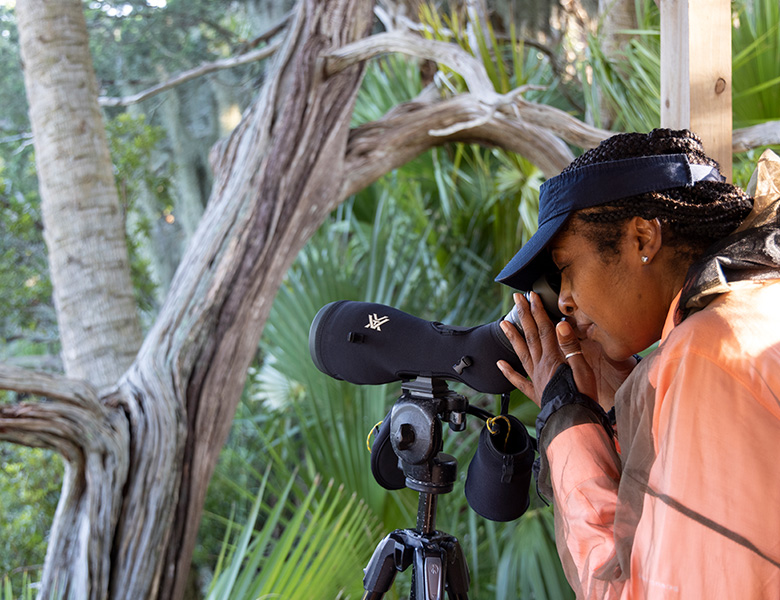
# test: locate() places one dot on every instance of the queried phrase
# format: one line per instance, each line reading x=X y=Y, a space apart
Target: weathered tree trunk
x=269 y=196
x=83 y=224
x=140 y=456
x=92 y=437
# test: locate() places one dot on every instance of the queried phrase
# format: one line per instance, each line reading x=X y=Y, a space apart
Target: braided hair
x=692 y=217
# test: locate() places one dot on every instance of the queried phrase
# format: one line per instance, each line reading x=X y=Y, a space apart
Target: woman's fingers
x=572 y=354
x=544 y=327
x=536 y=347
x=519 y=381
x=538 y=330
x=568 y=341
x=528 y=325
x=520 y=346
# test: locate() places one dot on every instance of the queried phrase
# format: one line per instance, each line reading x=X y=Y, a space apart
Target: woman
x=680 y=496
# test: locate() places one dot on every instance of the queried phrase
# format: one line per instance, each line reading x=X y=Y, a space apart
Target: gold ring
x=570 y=354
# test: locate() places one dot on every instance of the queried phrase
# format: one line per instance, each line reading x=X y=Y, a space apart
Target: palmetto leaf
x=323 y=546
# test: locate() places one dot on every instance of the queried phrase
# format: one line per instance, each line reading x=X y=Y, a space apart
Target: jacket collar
x=751 y=254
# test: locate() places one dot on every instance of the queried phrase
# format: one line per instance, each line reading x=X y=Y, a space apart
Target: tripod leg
x=457 y=572
x=390 y=556
x=430 y=567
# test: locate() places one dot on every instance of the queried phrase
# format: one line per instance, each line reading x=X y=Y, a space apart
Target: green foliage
x=7 y=592
x=181 y=31
x=508 y=62
x=755 y=73
x=389 y=81
x=11 y=79
x=133 y=143
x=529 y=566
x=295 y=537
x=628 y=84
x=756 y=62
x=25 y=312
x=148 y=43
x=27 y=322
x=321 y=541
x=30 y=481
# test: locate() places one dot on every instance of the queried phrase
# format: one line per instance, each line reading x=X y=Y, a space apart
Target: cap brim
x=531 y=260
x=593 y=185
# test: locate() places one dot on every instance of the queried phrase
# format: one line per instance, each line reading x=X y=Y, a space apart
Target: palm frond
x=628 y=85
x=320 y=553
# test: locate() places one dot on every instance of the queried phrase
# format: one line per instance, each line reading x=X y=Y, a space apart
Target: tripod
x=436 y=558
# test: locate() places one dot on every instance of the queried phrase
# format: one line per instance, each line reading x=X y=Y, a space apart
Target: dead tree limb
x=189 y=75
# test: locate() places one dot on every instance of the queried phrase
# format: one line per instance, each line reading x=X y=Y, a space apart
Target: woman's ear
x=646 y=238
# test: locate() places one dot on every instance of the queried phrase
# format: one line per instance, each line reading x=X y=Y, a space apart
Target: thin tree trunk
x=83 y=224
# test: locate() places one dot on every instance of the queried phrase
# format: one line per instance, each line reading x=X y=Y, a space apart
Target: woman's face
x=615 y=300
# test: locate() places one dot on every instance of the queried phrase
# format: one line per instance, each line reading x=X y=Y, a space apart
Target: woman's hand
x=537 y=348
x=546 y=346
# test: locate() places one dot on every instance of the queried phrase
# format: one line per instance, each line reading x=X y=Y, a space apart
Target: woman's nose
x=565 y=302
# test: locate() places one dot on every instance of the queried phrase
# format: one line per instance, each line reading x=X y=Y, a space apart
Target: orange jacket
x=689 y=507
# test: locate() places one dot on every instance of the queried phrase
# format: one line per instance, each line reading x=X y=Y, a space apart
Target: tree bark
x=92 y=437
x=178 y=398
x=268 y=198
x=83 y=224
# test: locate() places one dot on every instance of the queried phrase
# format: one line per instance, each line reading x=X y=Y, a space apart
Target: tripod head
x=407 y=450
x=412 y=433
x=416 y=433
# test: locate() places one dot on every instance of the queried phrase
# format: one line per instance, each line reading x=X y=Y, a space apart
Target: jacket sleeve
x=580 y=470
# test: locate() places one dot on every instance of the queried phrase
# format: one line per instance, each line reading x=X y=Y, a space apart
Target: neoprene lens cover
x=499 y=475
x=369 y=343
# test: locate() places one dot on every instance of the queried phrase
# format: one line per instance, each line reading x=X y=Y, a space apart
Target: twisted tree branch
x=451 y=55
x=39 y=383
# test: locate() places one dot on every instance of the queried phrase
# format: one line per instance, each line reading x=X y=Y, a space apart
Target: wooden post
x=696 y=72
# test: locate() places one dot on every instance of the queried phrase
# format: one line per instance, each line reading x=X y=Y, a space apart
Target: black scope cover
x=369 y=344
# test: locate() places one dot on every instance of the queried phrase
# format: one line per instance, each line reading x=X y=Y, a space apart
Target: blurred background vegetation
x=293 y=509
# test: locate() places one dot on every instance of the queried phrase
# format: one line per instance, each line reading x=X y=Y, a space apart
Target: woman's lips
x=581 y=328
